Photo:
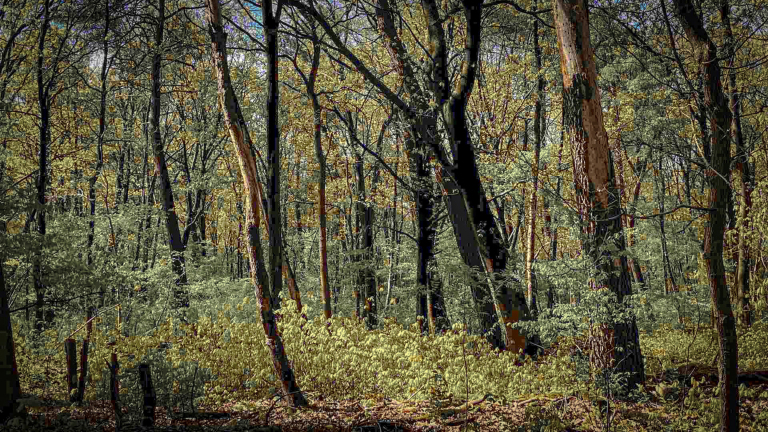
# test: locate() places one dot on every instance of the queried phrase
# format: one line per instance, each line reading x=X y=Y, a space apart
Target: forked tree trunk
x=241 y=141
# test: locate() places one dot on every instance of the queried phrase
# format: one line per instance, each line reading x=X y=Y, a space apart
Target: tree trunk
x=425 y=211
x=99 y=149
x=321 y=161
x=9 y=374
x=717 y=174
x=44 y=104
x=273 y=154
x=241 y=141
x=744 y=313
x=537 y=139
x=364 y=213
x=171 y=219
x=596 y=192
x=473 y=222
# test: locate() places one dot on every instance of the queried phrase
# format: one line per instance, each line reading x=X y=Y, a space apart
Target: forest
x=384 y=215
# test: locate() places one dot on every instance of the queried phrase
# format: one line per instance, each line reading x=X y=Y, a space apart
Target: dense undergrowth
x=227 y=364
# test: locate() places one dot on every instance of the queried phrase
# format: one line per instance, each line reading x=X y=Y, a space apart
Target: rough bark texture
x=717 y=175
x=161 y=167
x=241 y=141
x=596 y=192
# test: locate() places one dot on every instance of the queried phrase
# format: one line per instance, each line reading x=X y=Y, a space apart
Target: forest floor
x=536 y=413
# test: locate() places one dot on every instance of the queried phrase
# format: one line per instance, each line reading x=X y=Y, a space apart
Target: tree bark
x=99 y=149
x=530 y=276
x=744 y=313
x=473 y=222
x=44 y=104
x=241 y=141
x=364 y=216
x=717 y=175
x=596 y=192
x=171 y=218
x=321 y=161
x=273 y=153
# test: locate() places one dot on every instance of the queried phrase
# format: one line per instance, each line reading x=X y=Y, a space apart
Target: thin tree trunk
x=321 y=161
x=717 y=174
x=241 y=141
x=171 y=219
x=744 y=312
x=537 y=139
x=44 y=104
x=99 y=149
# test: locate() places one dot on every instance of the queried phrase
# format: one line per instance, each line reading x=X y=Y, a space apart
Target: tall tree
x=271 y=21
x=475 y=228
x=105 y=66
x=530 y=275
x=744 y=314
x=718 y=161
x=241 y=141
x=171 y=218
x=309 y=82
x=596 y=192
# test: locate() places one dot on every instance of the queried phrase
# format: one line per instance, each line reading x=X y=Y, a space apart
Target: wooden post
x=70 y=348
x=150 y=400
x=83 y=372
x=114 y=388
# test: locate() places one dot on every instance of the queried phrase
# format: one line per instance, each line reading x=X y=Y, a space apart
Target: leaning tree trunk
x=468 y=218
x=719 y=168
x=596 y=192
x=171 y=219
x=474 y=224
x=241 y=141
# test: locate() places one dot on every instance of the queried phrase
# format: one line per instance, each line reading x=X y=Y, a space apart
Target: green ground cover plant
x=222 y=363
